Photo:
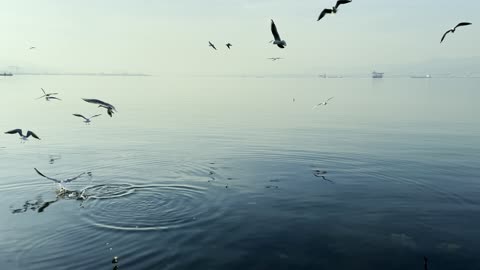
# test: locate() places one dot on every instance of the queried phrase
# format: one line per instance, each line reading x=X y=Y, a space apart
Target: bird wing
x=95 y=115
x=341 y=2
x=42 y=96
x=13 y=131
x=97 y=101
x=329 y=99
x=49 y=178
x=444 y=35
x=73 y=178
x=324 y=12
x=53 y=98
x=79 y=115
x=43 y=91
x=33 y=135
x=276 y=36
x=211 y=45
x=462 y=24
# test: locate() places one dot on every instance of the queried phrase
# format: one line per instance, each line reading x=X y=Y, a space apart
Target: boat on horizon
x=377 y=75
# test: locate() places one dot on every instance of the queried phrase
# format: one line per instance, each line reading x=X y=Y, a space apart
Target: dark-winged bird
x=333 y=9
x=323 y=103
x=228 y=45
x=110 y=108
x=453 y=29
x=277 y=40
x=211 y=45
x=23 y=137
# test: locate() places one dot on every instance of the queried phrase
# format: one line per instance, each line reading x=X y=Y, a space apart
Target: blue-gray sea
x=241 y=173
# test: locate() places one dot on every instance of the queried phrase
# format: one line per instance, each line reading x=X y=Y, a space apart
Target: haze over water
x=218 y=173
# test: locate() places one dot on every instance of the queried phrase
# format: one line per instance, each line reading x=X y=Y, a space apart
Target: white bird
x=110 y=108
x=333 y=9
x=23 y=137
x=277 y=40
x=453 y=29
x=60 y=181
x=46 y=95
x=86 y=120
x=323 y=103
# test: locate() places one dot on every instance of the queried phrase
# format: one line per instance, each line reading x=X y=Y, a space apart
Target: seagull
x=86 y=120
x=278 y=41
x=46 y=95
x=453 y=29
x=110 y=108
x=228 y=45
x=23 y=137
x=323 y=103
x=333 y=9
x=274 y=58
x=211 y=45
x=60 y=181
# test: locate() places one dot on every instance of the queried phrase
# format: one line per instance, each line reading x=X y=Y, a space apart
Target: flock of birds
x=52 y=96
x=278 y=41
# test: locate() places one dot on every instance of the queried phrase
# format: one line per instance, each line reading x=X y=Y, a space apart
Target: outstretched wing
x=79 y=115
x=74 y=178
x=14 y=131
x=43 y=91
x=341 y=2
x=329 y=99
x=444 y=35
x=96 y=115
x=49 y=178
x=324 y=12
x=32 y=134
x=276 y=36
x=462 y=24
x=99 y=102
x=48 y=98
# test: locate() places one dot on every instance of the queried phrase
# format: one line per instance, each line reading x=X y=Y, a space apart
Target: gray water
x=218 y=173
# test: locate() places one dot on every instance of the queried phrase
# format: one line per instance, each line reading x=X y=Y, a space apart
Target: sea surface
x=241 y=173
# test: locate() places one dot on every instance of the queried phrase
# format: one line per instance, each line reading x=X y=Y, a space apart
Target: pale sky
x=171 y=37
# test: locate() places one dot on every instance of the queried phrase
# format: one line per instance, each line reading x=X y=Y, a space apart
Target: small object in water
x=115 y=259
x=226 y=186
x=115 y=267
x=318 y=173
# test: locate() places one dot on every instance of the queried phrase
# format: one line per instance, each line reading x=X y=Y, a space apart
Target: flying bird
x=211 y=45
x=60 y=181
x=323 y=103
x=31 y=48
x=86 y=120
x=228 y=45
x=333 y=9
x=277 y=40
x=274 y=58
x=45 y=94
x=453 y=29
x=23 y=137
x=110 y=108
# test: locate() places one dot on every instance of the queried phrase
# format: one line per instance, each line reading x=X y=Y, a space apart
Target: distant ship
x=6 y=74
x=421 y=76
x=377 y=75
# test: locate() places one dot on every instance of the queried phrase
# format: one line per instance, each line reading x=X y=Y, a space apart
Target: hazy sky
x=171 y=37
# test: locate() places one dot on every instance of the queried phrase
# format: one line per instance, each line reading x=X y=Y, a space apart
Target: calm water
x=218 y=173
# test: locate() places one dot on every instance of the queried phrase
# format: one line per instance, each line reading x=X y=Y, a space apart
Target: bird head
x=334 y=10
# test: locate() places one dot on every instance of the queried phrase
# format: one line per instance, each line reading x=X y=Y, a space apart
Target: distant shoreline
x=87 y=74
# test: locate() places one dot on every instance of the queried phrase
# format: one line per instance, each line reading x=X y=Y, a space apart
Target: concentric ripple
x=154 y=207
